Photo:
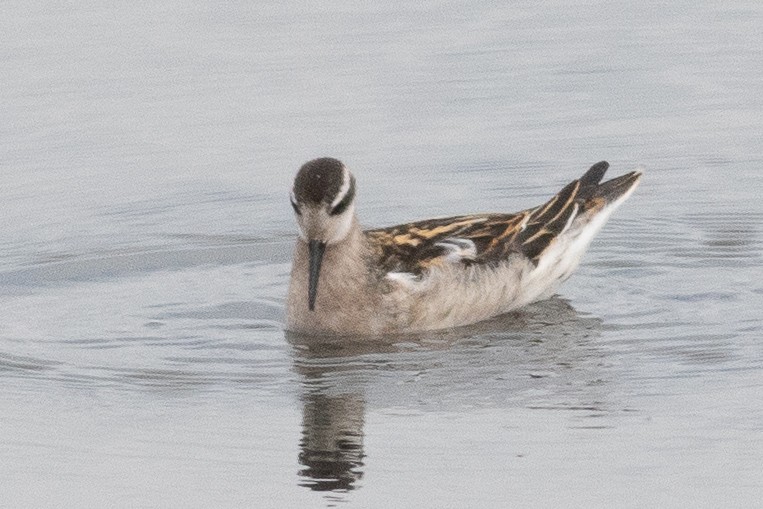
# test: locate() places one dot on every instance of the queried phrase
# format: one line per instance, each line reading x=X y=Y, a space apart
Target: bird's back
x=489 y=239
x=461 y=269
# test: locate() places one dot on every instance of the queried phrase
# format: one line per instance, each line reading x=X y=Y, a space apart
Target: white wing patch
x=457 y=249
x=403 y=278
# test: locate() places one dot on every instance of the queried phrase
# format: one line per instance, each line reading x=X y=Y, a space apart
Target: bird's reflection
x=331 y=450
x=496 y=358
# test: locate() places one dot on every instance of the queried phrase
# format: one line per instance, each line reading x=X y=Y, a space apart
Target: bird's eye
x=345 y=201
x=295 y=207
x=341 y=206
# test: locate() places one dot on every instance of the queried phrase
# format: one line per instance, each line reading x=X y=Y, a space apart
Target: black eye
x=295 y=207
x=342 y=205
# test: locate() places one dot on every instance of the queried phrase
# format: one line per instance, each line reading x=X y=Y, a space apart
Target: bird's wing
x=417 y=247
x=490 y=238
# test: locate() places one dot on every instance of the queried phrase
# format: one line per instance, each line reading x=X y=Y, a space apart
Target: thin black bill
x=315 y=251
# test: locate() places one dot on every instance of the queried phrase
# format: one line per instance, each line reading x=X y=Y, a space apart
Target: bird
x=435 y=273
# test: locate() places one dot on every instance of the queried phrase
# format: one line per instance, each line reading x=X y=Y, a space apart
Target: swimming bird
x=435 y=273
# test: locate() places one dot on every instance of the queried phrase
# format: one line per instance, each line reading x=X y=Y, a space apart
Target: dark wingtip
x=594 y=175
x=613 y=189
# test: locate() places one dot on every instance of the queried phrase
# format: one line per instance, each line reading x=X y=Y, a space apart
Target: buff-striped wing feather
x=492 y=238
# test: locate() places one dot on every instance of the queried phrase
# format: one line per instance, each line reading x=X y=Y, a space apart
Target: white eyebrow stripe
x=346 y=181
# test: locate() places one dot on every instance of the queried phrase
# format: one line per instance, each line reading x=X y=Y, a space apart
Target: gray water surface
x=146 y=152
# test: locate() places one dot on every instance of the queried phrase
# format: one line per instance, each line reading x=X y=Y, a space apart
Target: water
x=147 y=150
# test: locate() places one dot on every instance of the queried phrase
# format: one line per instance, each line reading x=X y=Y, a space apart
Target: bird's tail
x=594 y=194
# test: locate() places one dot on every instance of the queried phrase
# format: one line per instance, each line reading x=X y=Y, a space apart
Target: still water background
x=146 y=151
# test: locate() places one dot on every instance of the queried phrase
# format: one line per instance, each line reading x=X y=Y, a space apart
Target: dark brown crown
x=319 y=180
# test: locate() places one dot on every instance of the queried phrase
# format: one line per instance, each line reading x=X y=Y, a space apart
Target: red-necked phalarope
x=434 y=273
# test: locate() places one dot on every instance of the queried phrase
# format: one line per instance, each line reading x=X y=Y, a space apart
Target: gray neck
x=347 y=261
x=345 y=288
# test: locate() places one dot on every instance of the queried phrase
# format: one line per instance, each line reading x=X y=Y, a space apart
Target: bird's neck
x=347 y=260
x=346 y=295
